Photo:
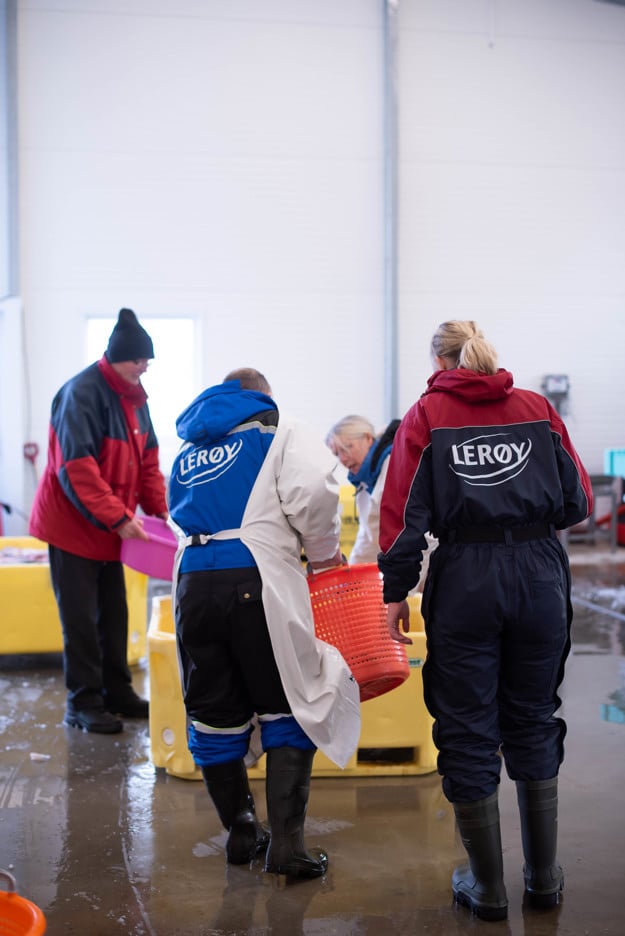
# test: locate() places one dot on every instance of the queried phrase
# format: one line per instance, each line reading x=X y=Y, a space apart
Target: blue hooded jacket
x=227 y=432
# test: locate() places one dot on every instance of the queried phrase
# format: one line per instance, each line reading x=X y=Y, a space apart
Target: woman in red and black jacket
x=102 y=464
x=490 y=470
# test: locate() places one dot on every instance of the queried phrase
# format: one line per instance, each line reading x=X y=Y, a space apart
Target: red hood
x=471 y=386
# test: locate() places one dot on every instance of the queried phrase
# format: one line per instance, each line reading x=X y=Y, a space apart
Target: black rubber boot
x=538 y=808
x=480 y=885
x=95 y=719
x=229 y=790
x=288 y=788
x=126 y=703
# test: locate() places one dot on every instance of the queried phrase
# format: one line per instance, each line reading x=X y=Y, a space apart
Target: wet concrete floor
x=108 y=845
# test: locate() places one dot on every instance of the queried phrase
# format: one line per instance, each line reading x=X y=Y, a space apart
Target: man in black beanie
x=102 y=465
x=129 y=341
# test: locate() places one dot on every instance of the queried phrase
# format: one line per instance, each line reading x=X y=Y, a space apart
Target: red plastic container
x=18 y=916
x=349 y=613
x=154 y=557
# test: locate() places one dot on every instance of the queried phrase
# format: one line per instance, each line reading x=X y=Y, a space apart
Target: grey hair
x=353 y=427
x=463 y=344
x=250 y=379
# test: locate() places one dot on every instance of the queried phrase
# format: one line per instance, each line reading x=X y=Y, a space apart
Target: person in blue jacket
x=366 y=456
x=491 y=471
x=250 y=490
x=354 y=442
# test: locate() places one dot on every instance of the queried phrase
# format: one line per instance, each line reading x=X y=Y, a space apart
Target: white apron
x=323 y=695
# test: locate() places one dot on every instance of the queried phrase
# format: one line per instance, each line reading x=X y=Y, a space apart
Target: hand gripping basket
x=349 y=613
x=18 y=916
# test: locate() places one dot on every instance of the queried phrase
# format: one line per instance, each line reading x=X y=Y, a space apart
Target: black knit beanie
x=128 y=341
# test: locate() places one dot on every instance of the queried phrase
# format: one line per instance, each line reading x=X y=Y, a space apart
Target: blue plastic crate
x=614 y=462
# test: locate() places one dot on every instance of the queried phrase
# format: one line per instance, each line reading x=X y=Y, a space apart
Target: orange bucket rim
x=16 y=909
x=364 y=570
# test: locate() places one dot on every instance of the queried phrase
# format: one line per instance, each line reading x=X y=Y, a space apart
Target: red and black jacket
x=102 y=464
x=474 y=451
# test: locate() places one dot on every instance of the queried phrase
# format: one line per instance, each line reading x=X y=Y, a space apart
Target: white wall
x=5 y=253
x=225 y=161
x=221 y=161
x=17 y=479
x=513 y=194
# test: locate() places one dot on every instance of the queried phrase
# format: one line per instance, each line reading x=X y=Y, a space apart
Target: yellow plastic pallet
x=396 y=723
x=349 y=518
x=28 y=611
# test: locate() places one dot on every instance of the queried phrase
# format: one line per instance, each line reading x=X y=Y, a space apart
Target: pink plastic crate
x=154 y=557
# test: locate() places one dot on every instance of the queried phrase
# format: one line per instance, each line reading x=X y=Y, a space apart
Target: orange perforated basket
x=18 y=916
x=349 y=613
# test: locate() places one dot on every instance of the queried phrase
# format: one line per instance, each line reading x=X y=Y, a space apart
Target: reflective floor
x=107 y=844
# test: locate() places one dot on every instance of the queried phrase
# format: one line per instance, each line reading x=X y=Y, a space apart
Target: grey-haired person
x=365 y=454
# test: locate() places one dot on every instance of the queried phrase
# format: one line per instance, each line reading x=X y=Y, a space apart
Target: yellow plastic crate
x=168 y=717
x=28 y=611
x=397 y=720
x=349 y=518
x=137 y=601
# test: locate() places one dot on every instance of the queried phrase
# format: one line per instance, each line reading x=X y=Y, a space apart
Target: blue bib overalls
x=497 y=618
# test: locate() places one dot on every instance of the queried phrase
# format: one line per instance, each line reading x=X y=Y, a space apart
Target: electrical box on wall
x=556 y=389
